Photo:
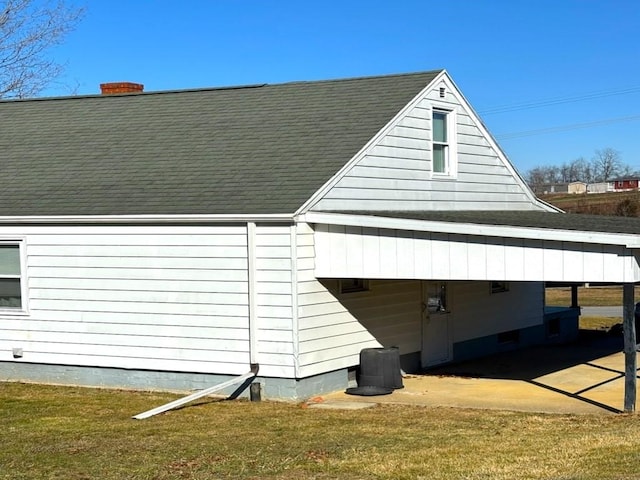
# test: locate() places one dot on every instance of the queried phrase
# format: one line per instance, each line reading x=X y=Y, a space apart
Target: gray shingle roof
x=247 y=150
x=531 y=219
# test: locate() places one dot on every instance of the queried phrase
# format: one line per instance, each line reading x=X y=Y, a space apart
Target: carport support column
x=574 y=296
x=630 y=356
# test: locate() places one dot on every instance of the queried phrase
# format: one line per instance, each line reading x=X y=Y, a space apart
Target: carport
x=512 y=246
x=580 y=378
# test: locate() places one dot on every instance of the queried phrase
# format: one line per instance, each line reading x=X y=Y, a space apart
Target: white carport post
x=630 y=355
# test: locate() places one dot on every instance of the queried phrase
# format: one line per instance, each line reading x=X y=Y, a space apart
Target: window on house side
x=512 y=336
x=351 y=285
x=440 y=142
x=10 y=277
x=497 y=287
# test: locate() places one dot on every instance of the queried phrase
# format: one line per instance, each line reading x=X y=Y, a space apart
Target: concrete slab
x=586 y=377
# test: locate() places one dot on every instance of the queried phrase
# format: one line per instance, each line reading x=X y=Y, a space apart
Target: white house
x=178 y=239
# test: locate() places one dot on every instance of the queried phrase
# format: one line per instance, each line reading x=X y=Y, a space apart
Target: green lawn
x=588 y=296
x=76 y=433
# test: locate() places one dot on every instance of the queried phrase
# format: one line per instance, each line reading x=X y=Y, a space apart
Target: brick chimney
x=120 y=87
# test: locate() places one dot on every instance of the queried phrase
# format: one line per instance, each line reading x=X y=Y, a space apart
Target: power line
x=558 y=101
x=564 y=128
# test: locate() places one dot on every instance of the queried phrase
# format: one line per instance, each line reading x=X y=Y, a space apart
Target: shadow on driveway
x=585 y=377
x=585 y=371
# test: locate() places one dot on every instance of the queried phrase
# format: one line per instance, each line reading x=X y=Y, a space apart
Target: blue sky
x=501 y=53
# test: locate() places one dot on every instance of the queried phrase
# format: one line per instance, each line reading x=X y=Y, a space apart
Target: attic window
x=443 y=145
x=440 y=142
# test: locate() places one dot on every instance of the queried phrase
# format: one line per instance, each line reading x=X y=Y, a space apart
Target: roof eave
x=147 y=219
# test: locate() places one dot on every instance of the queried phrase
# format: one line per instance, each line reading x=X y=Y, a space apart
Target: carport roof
x=532 y=219
x=506 y=224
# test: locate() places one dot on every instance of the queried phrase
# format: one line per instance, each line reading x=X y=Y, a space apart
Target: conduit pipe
x=253 y=340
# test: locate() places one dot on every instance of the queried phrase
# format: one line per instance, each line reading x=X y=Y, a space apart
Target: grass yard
x=610 y=203
x=588 y=297
x=68 y=433
x=598 y=323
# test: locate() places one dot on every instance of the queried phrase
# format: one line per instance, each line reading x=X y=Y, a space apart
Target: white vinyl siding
x=274 y=298
x=475 y=313
x=158 y=298
x=334 y=327
x=396 y=173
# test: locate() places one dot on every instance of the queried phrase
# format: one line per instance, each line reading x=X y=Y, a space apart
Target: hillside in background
x=623 y=204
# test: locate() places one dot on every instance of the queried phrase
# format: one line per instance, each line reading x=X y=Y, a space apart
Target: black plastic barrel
x=380 y=367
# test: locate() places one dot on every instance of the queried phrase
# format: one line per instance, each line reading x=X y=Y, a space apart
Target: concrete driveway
x=613 y=312
x=586 y=377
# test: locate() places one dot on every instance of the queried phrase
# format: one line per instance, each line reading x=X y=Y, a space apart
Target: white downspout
x=253 y=295
x=294 y=299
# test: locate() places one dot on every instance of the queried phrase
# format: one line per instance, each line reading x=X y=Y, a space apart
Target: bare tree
x=28 y=29
x=607 y=164
x=536 y=178
x=583 y=172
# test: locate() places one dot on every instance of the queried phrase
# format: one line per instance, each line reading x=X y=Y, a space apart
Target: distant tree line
x=606 y=164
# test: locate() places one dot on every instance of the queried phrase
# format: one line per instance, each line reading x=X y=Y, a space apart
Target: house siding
x=395 y=172
x=319 y=311
x=156 y=298
x=476 y=312
x=334 y=327
x=274 y=300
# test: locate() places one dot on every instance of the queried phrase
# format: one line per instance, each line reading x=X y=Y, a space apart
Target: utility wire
x=563 y=128
x=558 y=101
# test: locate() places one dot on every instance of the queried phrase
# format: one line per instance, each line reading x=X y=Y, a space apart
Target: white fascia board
x=502 y=231
x=146 y=219
x=320 y=193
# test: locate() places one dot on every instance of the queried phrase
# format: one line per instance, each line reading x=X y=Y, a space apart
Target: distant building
x=599 y=187
x=625 y=184
x=577 y=187
x=547 y=188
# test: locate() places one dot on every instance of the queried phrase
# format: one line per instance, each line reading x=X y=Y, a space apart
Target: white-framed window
x=352 y=285
x=12 y=288
x=443 y=143
x=499 y=287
